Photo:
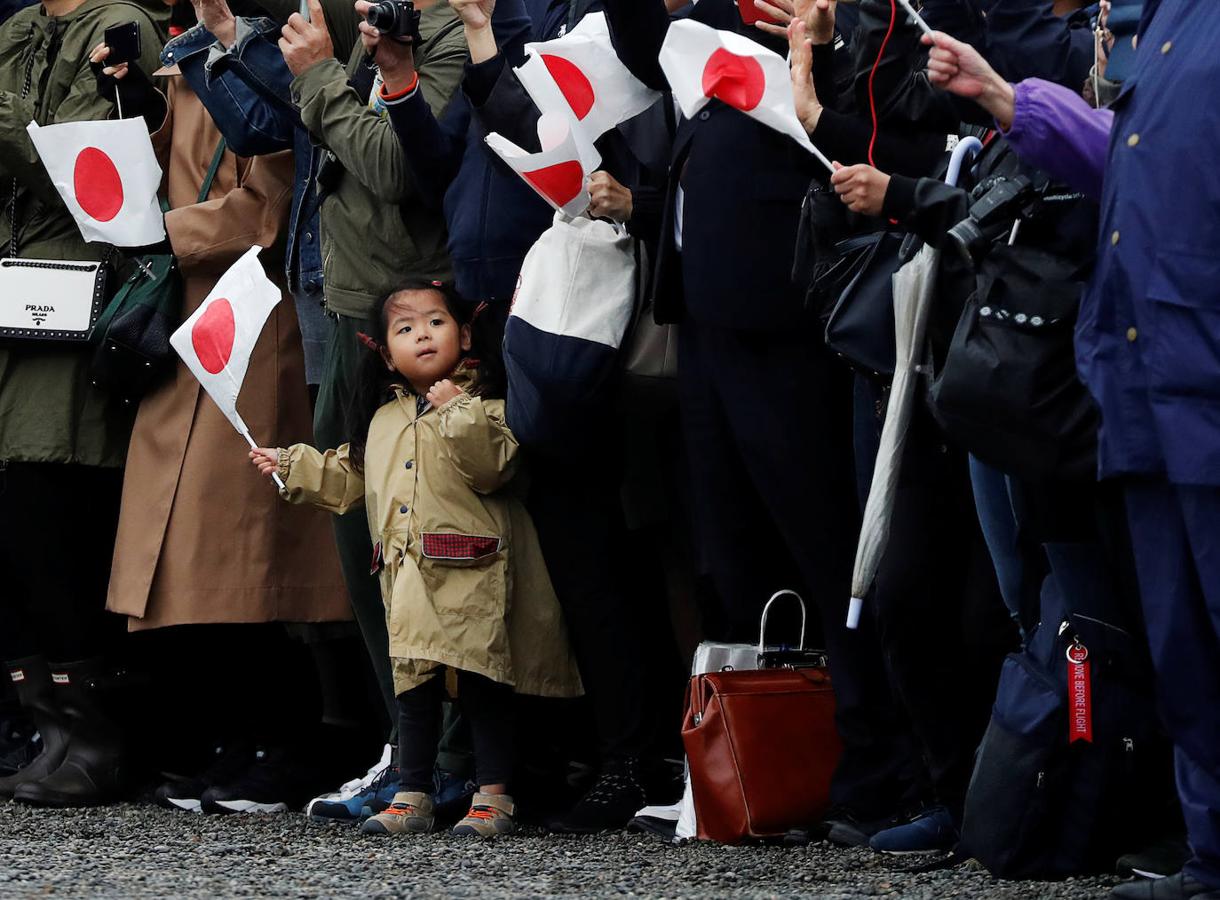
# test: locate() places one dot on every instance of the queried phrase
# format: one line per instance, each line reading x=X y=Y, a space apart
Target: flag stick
x=118 y=99
x=923 y=26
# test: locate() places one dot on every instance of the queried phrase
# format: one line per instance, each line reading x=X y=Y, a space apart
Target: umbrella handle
x=965 y=147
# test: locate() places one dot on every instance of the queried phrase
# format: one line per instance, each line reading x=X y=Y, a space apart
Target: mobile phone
x=305 y=10
x=124 y=43
x=751 y=13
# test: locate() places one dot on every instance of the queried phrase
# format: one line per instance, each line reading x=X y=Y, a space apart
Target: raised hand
x=475 y=14
x=960 y=69
x=804 y=94
x=442 y=392
x=395 y=58
x=818 y=16
x=305 y=44
x=217 y=18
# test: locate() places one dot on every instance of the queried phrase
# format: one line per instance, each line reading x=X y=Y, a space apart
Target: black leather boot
x=91 y=773
x=32 y=680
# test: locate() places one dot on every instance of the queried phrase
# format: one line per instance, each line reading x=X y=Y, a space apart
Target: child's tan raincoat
x=462 y=575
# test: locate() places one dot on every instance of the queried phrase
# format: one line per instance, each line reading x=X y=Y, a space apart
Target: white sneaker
x=350 y=789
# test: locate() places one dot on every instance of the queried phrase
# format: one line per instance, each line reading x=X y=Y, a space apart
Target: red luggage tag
x=1080 y=694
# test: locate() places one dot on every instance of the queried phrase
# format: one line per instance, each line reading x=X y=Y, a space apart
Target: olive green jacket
x=375 y=230
x=462 y=575
x=49 y=412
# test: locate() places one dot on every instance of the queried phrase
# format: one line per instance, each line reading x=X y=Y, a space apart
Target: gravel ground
x=143 y=851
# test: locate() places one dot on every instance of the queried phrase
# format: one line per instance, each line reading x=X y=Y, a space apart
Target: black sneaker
x=229 y=761
x=610 y=804
x=842 y=826
x=276 y=782
x=1159 y=859
x=19 y=744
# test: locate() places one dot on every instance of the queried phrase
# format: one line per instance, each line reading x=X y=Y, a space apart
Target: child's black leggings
x=487 y=707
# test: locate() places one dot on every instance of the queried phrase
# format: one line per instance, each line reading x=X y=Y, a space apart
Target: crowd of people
x=503 y=625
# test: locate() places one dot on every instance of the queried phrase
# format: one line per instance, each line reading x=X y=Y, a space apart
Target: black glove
x=136 y=92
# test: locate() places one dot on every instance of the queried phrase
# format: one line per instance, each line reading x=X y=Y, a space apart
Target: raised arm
x=1048 y=126
x=478 y=441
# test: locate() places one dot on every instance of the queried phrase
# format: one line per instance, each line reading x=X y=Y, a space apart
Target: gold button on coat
x=1132 y=334
x=1166 y=47
x=1114 y=238
x=1133 y=140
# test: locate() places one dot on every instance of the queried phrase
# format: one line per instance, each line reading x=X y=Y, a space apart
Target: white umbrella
x=913 y=286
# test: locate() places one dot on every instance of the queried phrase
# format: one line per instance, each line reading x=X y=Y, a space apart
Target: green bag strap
x=206 y=187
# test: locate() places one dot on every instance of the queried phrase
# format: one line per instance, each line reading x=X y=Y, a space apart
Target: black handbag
x=861 y=325
x=1009 y=391
x=132 y=335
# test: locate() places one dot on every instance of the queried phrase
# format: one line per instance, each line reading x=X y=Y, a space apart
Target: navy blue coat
x=1148 y=341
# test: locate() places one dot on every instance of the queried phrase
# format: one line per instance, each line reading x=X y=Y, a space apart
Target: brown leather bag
x=762 y=748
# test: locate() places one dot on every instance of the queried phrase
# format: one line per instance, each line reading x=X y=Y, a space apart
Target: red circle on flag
x=98 y=187
x=576 y=87
x=736 y=80
x=212 y=336
x=559 y=183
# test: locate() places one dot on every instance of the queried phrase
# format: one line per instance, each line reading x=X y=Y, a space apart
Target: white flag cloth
x=218 y=338
x=703 y=64
x=581 y=76
x=560 y=173
x=107 y=174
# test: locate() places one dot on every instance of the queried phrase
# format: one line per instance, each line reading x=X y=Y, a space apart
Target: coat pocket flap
x=459 y=547
x=1186 y=278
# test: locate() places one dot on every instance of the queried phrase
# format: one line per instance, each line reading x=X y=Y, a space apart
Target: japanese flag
x=703 y=64
x=107 y=174
x=218 y=338
x=560 y=173
x=580 y=75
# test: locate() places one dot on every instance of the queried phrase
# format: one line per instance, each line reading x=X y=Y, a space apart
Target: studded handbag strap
x=12 y=203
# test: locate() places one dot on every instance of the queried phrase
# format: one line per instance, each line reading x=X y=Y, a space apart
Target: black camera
x=1000 y=203
x=396 y=19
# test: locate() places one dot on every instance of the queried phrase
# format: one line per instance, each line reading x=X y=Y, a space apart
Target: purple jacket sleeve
x=1054 y=130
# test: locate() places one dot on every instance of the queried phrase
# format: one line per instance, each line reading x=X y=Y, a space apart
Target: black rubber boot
x=32 y=680
x=91 y=773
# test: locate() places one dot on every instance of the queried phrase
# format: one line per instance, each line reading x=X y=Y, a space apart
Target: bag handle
x=762 y=630
x=213 y=168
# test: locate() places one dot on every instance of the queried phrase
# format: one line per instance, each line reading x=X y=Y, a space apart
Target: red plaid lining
x=459 y=546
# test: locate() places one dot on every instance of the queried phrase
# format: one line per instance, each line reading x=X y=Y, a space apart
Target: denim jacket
x=245 y=88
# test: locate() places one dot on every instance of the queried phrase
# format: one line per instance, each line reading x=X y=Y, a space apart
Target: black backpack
x=1040 y=804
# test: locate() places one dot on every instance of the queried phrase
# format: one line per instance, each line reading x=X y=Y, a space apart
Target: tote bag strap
x=213 y=168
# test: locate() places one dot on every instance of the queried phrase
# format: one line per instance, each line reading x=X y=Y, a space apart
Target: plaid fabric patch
x=460 y=546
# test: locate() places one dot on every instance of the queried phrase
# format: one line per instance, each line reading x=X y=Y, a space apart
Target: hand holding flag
x=216 y=341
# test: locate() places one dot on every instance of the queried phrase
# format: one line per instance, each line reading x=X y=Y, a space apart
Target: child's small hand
x=442 y=392
x=267 y=459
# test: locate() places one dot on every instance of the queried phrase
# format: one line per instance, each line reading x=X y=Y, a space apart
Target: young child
x=463 y=581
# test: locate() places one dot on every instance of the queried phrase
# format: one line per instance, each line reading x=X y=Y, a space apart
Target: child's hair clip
x=368 y=341
x=478 y=310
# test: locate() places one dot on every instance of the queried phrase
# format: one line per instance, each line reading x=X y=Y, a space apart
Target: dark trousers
x=1175 y=531
x=575 y=506
x=767 y=422
x=352 y=530
x=943 y=627
x=487 y=707
x=57 y=528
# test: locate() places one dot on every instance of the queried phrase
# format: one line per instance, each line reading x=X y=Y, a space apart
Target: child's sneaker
x=491 y=815
x=410 y=813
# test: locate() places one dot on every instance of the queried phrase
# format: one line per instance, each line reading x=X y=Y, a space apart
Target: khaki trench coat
x=202 y=538
x=461 y=572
